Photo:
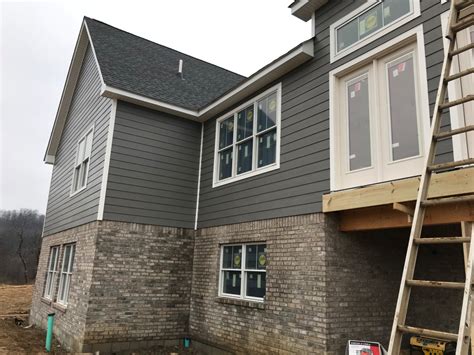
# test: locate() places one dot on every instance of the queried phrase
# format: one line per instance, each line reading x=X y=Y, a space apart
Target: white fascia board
x=124 y=95
x=264 y=77
x=304 y=9
x=67 y=94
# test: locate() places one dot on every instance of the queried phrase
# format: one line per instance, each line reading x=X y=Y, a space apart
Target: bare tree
x=20 y=237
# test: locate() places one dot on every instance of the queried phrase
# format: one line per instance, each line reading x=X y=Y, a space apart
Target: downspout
x=199 y=178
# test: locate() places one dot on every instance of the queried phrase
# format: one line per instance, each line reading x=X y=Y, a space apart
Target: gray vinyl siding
x=88 y=109
x=297 y=187
x=154 y=167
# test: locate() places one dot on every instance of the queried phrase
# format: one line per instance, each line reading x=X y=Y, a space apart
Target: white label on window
x=268 y=141
x=395 y=145
x=259 y=281
x=395 y=73
x=386 y=11
x=352 y=156
x=246 y=151
x=353 y=94
x=234 y=280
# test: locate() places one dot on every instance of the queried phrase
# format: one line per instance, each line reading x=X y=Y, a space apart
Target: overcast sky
x=37 y=40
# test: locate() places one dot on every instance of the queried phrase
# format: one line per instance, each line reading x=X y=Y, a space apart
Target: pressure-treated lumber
x=428 y=332
x=443 y=184
x=449 y=134
x=451 y=164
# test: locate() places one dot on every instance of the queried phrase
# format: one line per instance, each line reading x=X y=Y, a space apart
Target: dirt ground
x=15 y=339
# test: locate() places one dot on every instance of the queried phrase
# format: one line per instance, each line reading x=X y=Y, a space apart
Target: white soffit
x=304 y=9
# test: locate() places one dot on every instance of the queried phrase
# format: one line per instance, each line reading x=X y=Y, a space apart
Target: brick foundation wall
x=70 y=323
x=140 y=292
x=323 y=287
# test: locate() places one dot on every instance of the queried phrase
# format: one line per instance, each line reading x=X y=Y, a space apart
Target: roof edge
x=83 y=40
x=304 y=9
x=263 y=77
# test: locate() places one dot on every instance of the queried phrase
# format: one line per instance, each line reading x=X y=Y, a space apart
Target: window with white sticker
x=51 y=273
x=243 y=271
x=369 y=22
x=248 y=139
x=379 y=118
x=82 y=162
x=69 y=252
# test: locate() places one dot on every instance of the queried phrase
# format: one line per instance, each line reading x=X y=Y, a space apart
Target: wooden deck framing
x=388 y=205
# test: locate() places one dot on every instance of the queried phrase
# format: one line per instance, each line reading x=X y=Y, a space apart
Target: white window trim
x=334 y=55
x=51 y=280
x=256 y=171
x=243 y=270
x=414 y=35
x=67 y=274
x=72 y=193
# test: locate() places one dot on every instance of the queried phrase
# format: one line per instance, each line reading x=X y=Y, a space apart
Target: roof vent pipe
x=180 y=69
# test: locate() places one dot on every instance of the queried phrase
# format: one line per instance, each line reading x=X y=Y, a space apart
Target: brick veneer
x=135 y=286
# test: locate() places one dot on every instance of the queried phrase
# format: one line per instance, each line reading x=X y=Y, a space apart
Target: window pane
x=237 y=257
x=267 y=112
x=370 y=21
x=262 y=256
x=88 y=148
x=347 y=35
x=67 y=254
x=80 y=152
x=76 y=179
x=359 y=124
x=85 y=167
x=267 y=148
x=256 y=284
x=232 y=282
x=227 y=258
x=245 y=123
x=394 y=9
x=62 y=287
x=403 y=115
x=225 y=164
x=244 y=156
x=251 y=257
x=73 y=254
x=226 y=134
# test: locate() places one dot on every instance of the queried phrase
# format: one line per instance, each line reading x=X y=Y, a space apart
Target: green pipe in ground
x=49 y=332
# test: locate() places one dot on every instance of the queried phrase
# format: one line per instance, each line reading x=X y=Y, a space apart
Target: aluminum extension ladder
x=456 y=24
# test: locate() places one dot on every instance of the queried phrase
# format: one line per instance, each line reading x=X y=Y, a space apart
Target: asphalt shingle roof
x=137 y=65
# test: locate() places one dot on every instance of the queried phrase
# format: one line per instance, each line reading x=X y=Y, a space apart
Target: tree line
x=20 y=245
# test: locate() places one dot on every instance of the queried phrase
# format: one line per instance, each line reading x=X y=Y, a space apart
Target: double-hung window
x=369 y=22
x=66 y=273
x=52 y=272
x=83 y=157
x=247 y=139
x=243 y=271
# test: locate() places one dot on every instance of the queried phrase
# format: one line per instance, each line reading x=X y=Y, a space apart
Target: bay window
x=247 y=139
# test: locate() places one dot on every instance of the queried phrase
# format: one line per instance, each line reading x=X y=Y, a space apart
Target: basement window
x=51 y=273
x=248 y=139
x=367 y=23
x=243 y=271
x=66 y=273
x=81 y=167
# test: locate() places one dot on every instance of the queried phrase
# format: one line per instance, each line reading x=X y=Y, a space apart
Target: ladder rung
x=442 y=240
x=453 y=132
x=450 y=165
x=456 y=102
x=428 y=332
x=447 y=200
x=464 y=23
x=461 y=50
x=459 y=75
x=462 y=4
x=436 y=284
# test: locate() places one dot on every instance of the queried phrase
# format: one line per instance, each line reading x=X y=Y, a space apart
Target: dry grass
x=15 y=299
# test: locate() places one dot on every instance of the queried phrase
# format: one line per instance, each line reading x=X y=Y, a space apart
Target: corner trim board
x=199 y=178
x=108 y=153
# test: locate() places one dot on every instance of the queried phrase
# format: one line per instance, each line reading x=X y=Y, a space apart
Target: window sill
x=78 y=191
x=247 y=175
x=60 y=307
x=240 y=302
x=46 y=301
